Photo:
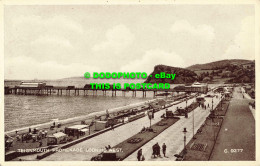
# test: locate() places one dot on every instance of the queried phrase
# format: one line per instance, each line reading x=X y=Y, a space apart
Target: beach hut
x=76 y=130
x=57 y=138
x=100 y=125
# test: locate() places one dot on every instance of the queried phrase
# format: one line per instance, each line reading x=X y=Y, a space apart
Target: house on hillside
x=206 y=79
x=248 y=65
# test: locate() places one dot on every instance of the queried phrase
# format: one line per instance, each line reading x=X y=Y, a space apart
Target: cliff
x=182 y=75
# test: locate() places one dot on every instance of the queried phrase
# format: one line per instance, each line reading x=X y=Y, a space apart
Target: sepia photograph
x=129 y=82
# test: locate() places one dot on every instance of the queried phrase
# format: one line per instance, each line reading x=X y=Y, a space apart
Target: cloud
x=151 y=58
x=205 y=32
x=52 y=25
x=44 y=39
x=53 y=40
x=117 y=39
x=244 y=44
x=25 y=67
x=51 y=48
x=192 y=41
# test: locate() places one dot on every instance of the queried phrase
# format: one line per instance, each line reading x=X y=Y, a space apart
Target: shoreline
x=88 y=117
x=32 y=145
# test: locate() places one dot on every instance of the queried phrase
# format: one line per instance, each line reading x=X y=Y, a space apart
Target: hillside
x=182 y=75
x=224 y=71
x=217 y=64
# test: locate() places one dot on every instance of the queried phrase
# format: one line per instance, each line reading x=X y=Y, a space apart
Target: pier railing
x=68 y=90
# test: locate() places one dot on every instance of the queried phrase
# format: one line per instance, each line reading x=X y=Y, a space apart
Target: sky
x=53 y=42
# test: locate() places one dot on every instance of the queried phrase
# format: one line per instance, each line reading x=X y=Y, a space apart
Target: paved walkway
x=112 y=138
x=237 y=132
x=173 y=136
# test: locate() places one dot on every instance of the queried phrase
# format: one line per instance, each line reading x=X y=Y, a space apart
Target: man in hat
x=154 y=150
x=164 y=149
x=139 y=155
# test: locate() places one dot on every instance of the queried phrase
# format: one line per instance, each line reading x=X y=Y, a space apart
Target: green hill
x=217 y=64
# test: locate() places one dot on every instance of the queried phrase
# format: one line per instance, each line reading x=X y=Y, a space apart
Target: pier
x=68 y=90
x=41 y=88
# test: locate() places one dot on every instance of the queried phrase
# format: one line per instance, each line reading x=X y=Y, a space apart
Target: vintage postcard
x=129 y=82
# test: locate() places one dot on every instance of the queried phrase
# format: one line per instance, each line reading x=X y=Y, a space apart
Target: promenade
x=237 y=132
x=112 y=138
x=173 y=136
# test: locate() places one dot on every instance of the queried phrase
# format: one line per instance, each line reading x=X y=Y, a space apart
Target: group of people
x=156 y=152
x=34 y=135
x=203 y=105
x=144 y=129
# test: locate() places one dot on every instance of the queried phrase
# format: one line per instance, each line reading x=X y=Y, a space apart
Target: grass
x=207 y=138
x=128 y=148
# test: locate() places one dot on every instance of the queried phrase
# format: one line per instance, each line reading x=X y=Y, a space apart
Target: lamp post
x=91 y=124
x=150 y=114
x=193 y=123
x=212 y=104
x=221 y=100
x=184 y=132
x=186 y=103
x=212 y=113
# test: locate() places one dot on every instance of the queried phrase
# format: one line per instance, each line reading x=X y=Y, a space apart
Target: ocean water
x=26 y=110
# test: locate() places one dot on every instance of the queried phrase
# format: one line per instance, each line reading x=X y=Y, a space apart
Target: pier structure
x=43 y=89
x=69 y=91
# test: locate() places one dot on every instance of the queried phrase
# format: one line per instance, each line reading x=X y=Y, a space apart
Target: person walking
x=139 y=155
x=142 y=158
x=112 y=126
x=22 y=137
x=164 y=149
x=40 y=143
x=154 y=150
x=158 y=150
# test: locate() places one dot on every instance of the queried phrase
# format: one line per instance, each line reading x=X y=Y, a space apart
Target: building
x=248 y=65
x=32 y=85
x=197 y=87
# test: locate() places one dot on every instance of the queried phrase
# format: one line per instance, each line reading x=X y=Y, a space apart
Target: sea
x=26 y=110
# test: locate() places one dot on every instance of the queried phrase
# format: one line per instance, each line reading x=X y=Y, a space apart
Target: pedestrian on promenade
x=139 y=155
x=112 y=126
x=40 y=143
x=164 y=149
x=142 y=158
x=158 y=150
x=154 y=150
x=18 y=137
x=108 y=147
x=30 y=130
